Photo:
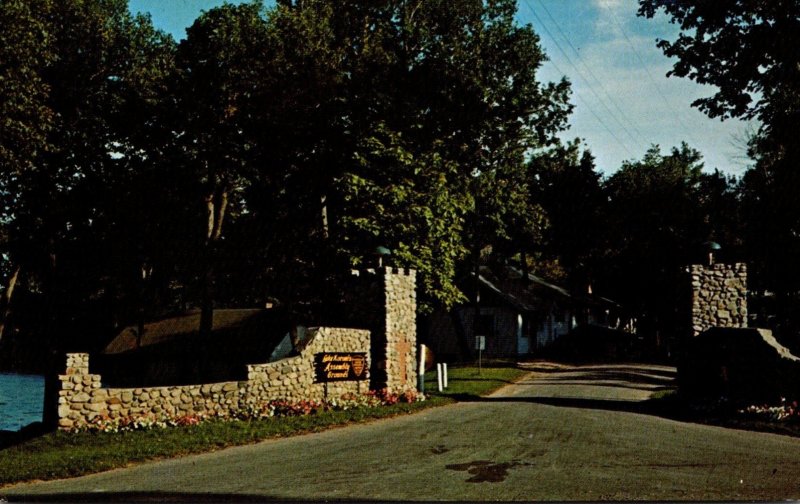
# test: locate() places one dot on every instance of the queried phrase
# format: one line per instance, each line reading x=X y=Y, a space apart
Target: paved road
x=562 y=433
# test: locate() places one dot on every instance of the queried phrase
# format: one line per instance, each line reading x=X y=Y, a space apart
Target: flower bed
x=266 y=410
x=783 y=412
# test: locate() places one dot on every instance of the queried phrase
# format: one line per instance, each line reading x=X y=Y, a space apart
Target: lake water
x=21 y=400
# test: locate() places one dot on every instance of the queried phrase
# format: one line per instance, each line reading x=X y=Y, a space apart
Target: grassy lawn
x=466 y=382
x=61 y=455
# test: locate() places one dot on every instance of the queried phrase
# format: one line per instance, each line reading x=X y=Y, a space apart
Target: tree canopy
x=276 y=147
x=269 y=150
x=747 y=50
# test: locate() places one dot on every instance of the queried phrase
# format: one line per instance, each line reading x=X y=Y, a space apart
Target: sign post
x=480 y=346
x=340 y=366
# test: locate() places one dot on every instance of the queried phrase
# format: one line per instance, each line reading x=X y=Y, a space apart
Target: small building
x=172 y=351
x=518 y=314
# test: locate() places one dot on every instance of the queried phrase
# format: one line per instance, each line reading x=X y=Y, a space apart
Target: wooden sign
x=340 y=366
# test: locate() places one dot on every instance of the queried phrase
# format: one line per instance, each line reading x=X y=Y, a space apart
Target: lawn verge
x=58 y=455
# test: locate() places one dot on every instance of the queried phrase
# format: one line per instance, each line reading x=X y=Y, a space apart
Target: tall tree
x=747 y=50
x=662 y=209
x=431 y=106
x=219 y=64
x=570 y=191
x=78 y=104
x=26 y=121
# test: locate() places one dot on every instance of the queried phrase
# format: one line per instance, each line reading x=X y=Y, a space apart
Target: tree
x=431 y=106
x=747 y=49
x=73 y=109
x=662 y=209
x=26 y=120
x=570 y=191
x=219 y=65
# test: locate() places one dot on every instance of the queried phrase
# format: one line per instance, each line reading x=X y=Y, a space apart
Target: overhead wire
x=647 y=71
x=599 y=119
x=588 y=85
x=631 y=125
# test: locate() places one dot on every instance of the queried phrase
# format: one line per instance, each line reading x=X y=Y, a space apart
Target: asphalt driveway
x=562 y=433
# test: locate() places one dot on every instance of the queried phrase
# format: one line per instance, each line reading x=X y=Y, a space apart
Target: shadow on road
x=572 y=386
x=647 y=407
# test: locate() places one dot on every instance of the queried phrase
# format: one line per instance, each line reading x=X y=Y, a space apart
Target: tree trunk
x=5 y=301
x=216 y=207
x=210 y=216
x=54 y=353
x=323 y=201
x=145 y=274
x=477 y=299
x=220 y=207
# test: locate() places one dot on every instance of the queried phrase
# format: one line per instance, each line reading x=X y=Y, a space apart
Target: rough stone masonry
x=82 y=397
x=384 y=302
x=719 y=296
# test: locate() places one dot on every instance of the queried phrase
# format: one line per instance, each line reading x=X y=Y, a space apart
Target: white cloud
x=620 y=76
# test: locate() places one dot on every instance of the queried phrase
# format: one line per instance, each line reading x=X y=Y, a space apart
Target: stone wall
x=82 y=396
x=719 y=296
x=384 y=300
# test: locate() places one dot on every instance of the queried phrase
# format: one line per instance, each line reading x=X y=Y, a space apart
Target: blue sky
x=623 y=100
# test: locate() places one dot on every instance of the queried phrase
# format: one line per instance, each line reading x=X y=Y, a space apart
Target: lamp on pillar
x=382 y=252
x=710 y=247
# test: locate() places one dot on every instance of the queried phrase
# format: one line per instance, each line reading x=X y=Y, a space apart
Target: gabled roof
x=529 y=295
x=183 y=327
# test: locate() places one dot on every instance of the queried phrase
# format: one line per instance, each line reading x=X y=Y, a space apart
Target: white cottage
x=518 y=316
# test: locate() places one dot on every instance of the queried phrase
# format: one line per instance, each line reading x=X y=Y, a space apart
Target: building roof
x=184 y=327
x=528 y=296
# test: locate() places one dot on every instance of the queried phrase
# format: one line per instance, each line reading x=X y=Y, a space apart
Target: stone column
x=719 y=296
x=78 y=387
x=385 y=302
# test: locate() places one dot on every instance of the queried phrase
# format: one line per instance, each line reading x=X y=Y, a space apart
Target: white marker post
x=480 y=346
x=444 y=369
x=439 y=375
x=421 y=369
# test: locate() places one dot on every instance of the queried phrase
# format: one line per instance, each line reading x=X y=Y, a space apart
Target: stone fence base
x=82 y=397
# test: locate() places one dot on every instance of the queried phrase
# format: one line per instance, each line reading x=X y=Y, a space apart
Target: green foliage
x=401 y=125
x=661 y=210
x=570 y=192
x=83 y=79
x=415 y=206
x=268 y=151
x=746 y=49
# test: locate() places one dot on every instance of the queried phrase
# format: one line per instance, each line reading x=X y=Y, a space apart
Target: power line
x=586 y=81
x=602 y=123
x=586 y=67
x=641 y=61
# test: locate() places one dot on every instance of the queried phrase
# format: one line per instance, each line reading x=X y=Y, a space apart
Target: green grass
x=62 y=455
x=468 y=382
x=664 y=395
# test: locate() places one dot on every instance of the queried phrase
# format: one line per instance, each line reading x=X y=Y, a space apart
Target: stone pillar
x=78 y=387
x=719 y=296
x=385 y=302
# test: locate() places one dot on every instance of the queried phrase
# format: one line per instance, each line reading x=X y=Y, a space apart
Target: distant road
x=563 y=433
